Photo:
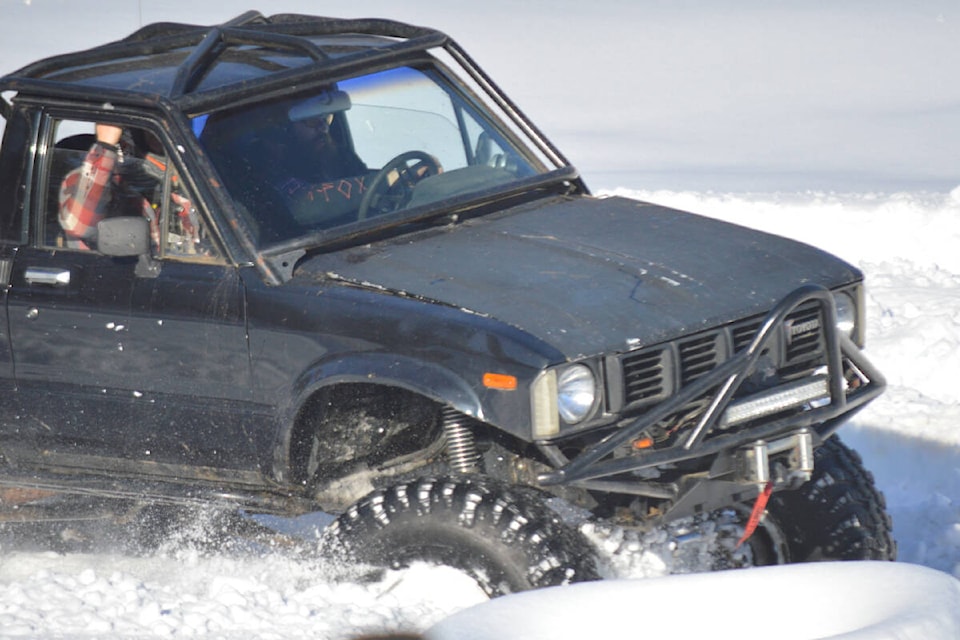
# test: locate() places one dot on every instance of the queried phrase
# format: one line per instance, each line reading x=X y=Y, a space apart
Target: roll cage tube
x=593 y=464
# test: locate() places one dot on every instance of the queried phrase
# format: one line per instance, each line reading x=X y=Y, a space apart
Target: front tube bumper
x=596 y=464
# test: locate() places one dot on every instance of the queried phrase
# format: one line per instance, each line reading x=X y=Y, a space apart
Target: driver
x=319 y=176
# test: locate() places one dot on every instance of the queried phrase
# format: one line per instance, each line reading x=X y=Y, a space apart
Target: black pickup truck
x=288 y=264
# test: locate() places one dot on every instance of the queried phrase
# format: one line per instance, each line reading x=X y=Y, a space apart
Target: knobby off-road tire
x=839 y=514
x=506 y=538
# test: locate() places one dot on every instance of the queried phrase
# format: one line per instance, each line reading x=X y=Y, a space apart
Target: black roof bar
x=218 y=39
x=248 y=29
x=285 y=31
x=280 y=81
x=165 y=29
x=302 y=25
x=202 y=46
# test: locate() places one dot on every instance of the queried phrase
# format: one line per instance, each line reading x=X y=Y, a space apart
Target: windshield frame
x=564 y=179
x=493 y=110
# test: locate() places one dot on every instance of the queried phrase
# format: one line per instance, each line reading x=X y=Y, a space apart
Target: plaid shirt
x=88 y=191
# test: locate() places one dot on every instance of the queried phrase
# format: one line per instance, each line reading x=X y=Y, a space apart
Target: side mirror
x=125 y=237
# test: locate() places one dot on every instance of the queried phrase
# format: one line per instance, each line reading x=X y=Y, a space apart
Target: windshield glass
x=359 y=149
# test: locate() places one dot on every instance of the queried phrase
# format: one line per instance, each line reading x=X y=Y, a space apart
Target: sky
x=746 y=96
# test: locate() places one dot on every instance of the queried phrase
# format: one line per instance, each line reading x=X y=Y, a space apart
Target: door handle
x=52 y=276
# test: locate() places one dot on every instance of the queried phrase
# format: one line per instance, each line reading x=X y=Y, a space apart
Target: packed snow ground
x=851 y=100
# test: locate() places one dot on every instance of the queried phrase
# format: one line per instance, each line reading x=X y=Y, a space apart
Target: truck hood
x=590 y=275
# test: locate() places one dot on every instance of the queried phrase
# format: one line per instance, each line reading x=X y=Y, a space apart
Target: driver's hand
x=109 y=134
x=417 y=171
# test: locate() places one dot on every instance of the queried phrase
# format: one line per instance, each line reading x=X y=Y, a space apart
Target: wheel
x=506 y=538
x=839 y=514
x=383 y=196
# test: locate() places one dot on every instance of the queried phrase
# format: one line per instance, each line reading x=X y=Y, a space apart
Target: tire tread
x=523 y=527
x=842 y=502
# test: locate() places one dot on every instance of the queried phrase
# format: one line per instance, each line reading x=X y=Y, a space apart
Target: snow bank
x=852 y=601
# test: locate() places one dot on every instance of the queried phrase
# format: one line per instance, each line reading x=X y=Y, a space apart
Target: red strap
x=758 y=508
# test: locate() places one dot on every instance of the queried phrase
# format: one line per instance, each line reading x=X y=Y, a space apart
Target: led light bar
x=782 y=398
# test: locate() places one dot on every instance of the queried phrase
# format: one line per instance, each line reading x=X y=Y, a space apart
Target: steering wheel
x=392 y=188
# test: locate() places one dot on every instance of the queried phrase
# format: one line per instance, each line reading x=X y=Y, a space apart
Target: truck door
x=122 y=368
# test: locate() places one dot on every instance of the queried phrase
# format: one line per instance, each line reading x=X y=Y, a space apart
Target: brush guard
x=818 y=405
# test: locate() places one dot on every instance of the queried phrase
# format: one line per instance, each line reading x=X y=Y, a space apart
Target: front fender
x=424 y=378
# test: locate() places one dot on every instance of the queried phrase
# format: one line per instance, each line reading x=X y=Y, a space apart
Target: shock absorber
x=462 y=452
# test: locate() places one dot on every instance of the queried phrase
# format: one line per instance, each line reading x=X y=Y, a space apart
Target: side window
x=88 y=182
x=72 y=142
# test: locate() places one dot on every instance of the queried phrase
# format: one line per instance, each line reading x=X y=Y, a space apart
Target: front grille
x=743 y=333
x=699 y=355
x=643 y=375
x=654 y=373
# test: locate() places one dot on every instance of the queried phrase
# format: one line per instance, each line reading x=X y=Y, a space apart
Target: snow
x=879 y=600
x=836 y=125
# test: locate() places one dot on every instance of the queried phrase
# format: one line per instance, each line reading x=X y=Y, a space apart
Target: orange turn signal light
x=500 y=381
x=643 y=443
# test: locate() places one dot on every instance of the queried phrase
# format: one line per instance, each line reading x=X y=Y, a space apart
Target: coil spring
x=462 y=452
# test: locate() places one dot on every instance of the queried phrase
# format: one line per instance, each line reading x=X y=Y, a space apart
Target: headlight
x=846 y=314
x=544 y=405
x=568 y=393
x=576 y=393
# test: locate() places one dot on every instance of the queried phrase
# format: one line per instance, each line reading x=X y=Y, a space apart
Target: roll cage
x=332 y=46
